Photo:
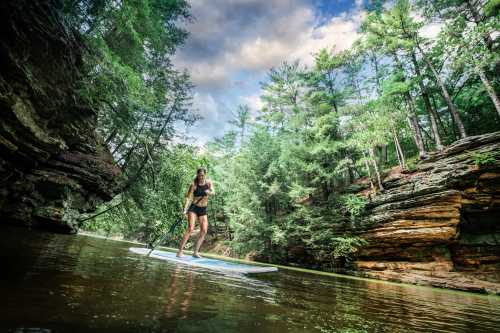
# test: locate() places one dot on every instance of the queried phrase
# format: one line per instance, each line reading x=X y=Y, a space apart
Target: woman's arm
x=187 y=197
x=210 y=190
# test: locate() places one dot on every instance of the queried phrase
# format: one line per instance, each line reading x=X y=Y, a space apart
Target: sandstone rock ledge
x=53 y=166
x=440 y=224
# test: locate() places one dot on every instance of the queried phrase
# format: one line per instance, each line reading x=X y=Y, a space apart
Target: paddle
x=170 y=231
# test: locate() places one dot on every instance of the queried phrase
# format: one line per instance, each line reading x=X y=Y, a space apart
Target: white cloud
x=254 y=102
x=259 y=54
x=214 y=117
x=303 y=40
x=340 y=32
x=207 y=74
x=205 y=105
x=234 y=42
x=276 y=30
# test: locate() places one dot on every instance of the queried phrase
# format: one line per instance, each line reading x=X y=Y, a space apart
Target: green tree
x=466 y=38
x=281 y=94
x=241 y=120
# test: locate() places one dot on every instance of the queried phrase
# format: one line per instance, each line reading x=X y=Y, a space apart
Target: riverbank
x=436 y=224
x=351 y=276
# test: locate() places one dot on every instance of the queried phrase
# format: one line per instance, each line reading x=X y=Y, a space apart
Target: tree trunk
x=153 y=147
x=400 y=162
x=96 y=215
x=412 y=115
x=383 y=154
x=369 y=173
x=126 y=137
x=413 y=121
x=111 y=136
x=417 y=136
x=399 y=150
x=153 y=171
x=490 y=90
x=446 y=95
x=126 y=158
x=375 y=167
x=427 y=104
x=427 y=135
x=443 y=128
x=335 y=108
x=332 y=92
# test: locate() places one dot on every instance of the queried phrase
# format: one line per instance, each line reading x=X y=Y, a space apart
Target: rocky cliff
x=53 y=166
x=439 y=224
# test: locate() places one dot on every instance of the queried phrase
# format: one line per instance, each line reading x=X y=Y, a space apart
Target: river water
x=75 y=283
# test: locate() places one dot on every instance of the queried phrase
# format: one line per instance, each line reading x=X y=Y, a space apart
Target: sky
x=234 y=43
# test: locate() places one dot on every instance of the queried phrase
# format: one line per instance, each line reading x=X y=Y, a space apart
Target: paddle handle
x=170 y=231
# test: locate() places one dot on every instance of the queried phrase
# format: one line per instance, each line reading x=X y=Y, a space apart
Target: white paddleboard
x=215 y=264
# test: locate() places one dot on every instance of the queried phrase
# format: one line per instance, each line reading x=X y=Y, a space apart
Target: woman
x=200 y=189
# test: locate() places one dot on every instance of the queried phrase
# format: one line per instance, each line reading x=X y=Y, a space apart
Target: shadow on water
x=76 y=284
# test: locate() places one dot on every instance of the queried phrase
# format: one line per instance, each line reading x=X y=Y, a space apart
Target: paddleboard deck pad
x=208 y=263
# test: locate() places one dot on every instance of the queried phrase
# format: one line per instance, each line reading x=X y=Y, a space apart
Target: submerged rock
x=53 y=165
x=439 y=224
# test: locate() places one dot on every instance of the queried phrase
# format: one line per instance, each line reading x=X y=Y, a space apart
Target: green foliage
x=241 y=120
x=138 y=97
x=148 y=211
x=412 y=163
x=281 y=179
x=492 y=8
x=128 y=76
x=347 y=246
x=348 y=116
x=354 y=205
x=312 y=226
x=484 y=158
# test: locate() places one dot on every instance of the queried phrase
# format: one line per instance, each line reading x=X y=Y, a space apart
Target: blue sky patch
x=233 y=44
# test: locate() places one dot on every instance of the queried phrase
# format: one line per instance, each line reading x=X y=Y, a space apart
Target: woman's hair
x=197 y=172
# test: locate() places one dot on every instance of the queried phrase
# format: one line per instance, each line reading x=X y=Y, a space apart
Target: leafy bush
x=346 y=246
x=149 y=210
x=485 y=158
x=353 y=204
x=411 y=164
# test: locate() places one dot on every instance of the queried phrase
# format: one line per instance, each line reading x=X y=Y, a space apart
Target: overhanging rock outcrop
x=53 y=165
x=439 y=224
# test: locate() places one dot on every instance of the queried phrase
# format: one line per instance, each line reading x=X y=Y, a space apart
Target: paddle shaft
x=172 y=229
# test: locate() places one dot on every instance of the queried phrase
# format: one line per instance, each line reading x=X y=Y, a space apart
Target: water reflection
x=179 y=294
x=82 y=284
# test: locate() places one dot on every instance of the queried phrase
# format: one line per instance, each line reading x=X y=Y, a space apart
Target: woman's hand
x=210 y=189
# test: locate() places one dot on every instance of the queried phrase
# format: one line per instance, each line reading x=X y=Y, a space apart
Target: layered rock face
x=440 y=224
x=53 y=166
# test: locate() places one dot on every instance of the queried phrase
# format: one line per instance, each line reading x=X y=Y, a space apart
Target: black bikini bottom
x=199 y=211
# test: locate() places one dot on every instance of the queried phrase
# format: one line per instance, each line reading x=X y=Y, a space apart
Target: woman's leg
x=203 y=231
x=191 y=220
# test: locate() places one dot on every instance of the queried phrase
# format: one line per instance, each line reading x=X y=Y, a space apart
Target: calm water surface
x=82 y=284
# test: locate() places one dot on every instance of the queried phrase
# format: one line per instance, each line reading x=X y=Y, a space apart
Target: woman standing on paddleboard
x=199 y=190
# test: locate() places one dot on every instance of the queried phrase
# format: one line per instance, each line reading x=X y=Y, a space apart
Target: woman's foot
x=197 y=255
x=179 y=254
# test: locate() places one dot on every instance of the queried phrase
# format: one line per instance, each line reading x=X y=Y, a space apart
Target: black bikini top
x=200 y=190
